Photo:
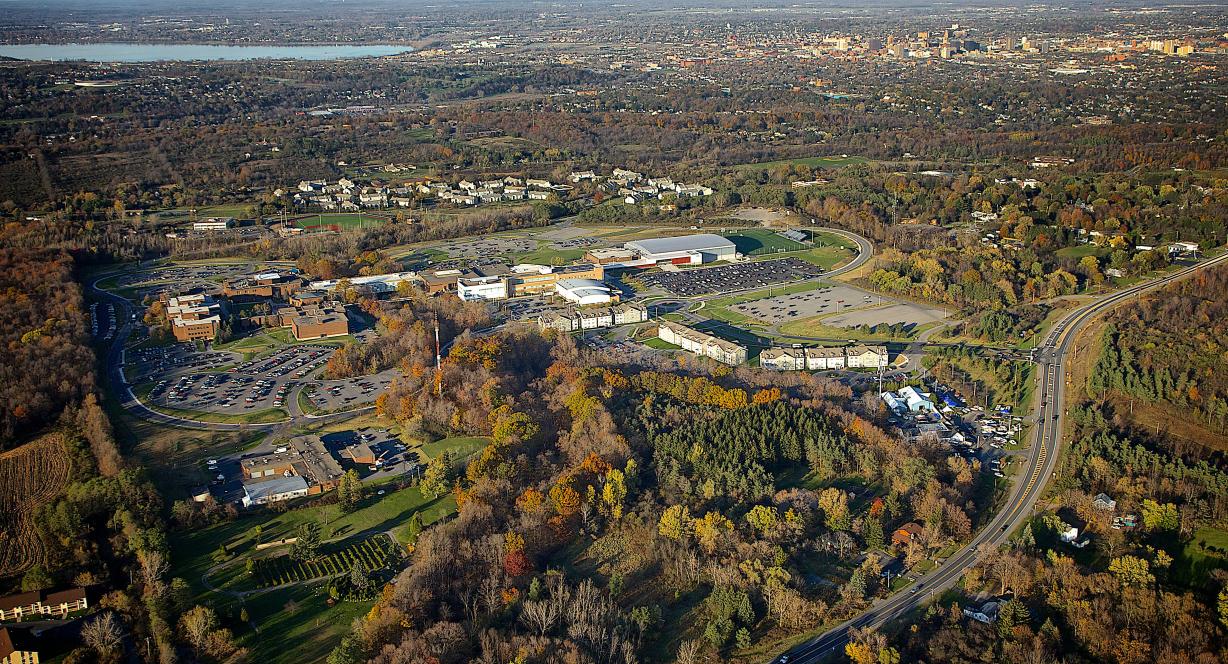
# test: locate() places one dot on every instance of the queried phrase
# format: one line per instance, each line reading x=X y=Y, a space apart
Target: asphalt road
x=1052 y=357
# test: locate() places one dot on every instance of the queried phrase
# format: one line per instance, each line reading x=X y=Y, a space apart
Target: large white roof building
x=584 y=292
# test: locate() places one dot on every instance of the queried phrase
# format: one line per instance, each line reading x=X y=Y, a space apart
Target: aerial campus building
x=682 y=250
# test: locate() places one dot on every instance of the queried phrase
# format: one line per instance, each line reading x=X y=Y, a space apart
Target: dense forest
x=726 y=504
x=45 y=360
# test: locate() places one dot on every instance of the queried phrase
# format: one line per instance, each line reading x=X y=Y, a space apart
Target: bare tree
x=104 y=633
x=540 y=615
x=688 y=652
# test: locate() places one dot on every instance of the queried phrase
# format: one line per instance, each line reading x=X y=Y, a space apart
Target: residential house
x=986 y=613
x=906 y=533
x=1104 y=502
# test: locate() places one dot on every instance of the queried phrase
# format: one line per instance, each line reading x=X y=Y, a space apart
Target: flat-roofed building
x=701 y=343
x=274 y=490
x=540 y=279
x=709 y=247
x=472 y=289
x=319 y=322
x=214 y=224
x=584 y=292
x=265 y=284
x=376 y=284
x=193 y=317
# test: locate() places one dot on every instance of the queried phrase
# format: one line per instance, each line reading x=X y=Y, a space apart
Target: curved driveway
x=113 y=366
x=1052 y=356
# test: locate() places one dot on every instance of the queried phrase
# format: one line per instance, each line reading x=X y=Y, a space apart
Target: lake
x=108 y=52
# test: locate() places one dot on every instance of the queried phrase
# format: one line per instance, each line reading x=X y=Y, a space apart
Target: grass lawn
x=296 y=625
x=460 y=446
x=267 y=341
x=660 y=344
x=192 y=552
x=813 y=162
x=265 y=416
x=547 y=255
x=825 y=257
x=1192 y=565
x=762 y=241
x=344 y=221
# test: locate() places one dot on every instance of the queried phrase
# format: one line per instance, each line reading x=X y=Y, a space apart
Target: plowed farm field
x=30 y=476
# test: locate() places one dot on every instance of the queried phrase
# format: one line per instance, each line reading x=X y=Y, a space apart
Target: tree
x=349 y=491
x=36 y=578
x=307 y=542
x=764 y=519
x=675 y=522
x=1157 y=516
x=614 y=492
x=359 y=578
x=835 y=505
x=710 y=530
x=104 y=633
x=196 y=625
x=1132 y=571
x=349 y=651
x=437 y=480
x=414 y=529
x=1012 y=613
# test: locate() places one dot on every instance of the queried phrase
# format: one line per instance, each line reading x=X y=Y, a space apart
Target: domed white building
x=584 y=292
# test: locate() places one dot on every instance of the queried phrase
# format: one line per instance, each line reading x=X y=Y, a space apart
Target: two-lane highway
x=1052 y=358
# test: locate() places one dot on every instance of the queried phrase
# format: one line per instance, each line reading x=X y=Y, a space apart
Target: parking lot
x=488 y=247
x=217 y=382
x=142 y=363
x=328 y=395
x=822 y=300
x=187 y=276
x=527 y=308
x=735 y=277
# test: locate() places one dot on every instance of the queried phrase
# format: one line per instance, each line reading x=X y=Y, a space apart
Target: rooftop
x=697 y=242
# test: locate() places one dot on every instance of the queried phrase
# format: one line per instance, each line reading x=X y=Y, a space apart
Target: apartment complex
x=818 y=358
x=40 y=604
x=701 y=343
x=573 y=319
x=17 y=647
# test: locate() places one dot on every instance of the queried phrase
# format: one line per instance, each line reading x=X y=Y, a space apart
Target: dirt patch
x=30 y=476
x=766 y=216
x=1156 y=419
